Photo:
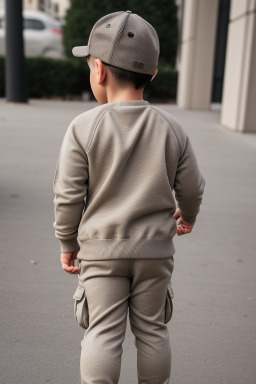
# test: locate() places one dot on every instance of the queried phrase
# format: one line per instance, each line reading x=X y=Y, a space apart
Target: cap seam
x=118 y=34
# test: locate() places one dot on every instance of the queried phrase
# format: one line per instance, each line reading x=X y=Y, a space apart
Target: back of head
x=124 y=78
x=127 y=44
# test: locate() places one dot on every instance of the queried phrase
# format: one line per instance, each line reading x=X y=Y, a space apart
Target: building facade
x=217 y=59
x=54 y=8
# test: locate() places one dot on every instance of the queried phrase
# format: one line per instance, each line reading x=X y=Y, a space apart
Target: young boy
x=118 y=166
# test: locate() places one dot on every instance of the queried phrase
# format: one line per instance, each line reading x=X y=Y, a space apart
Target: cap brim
x=82 y=51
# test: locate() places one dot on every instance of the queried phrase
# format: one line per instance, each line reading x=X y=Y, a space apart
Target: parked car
x=42 y=35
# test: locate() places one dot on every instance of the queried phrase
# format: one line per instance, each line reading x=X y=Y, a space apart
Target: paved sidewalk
x=213 y=330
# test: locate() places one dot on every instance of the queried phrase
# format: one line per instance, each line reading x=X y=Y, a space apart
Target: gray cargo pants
x=106 y=289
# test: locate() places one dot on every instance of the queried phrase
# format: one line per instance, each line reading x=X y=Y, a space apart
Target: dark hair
x=124 y=77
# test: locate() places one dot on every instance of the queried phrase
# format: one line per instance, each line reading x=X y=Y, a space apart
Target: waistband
x=143 y=248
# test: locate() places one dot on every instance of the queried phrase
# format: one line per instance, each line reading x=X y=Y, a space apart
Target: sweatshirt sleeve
x=189 y=183
x=70 y=189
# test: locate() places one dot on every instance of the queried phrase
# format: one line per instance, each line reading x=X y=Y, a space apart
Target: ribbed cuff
x=190 y=219
x=68 y=246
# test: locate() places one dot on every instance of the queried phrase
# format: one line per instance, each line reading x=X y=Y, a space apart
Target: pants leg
x=146 y=313
x=111 y=286
x=107 y=288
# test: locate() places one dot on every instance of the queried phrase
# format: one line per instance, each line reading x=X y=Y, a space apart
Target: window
x=41 y=5
x=33 y=24
x=2 y=23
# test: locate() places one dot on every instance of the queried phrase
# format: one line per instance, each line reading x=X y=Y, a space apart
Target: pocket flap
x=169 y=304
x=170 y=290
x=78 y=295
x=81 y=310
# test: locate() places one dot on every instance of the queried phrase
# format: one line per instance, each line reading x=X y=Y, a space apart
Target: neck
x=125 y=94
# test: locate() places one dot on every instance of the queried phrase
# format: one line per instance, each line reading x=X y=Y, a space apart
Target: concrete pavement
x=213 y=330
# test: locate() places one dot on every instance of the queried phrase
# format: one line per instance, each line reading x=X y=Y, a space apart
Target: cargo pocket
x=168 y=303
x=81 y=311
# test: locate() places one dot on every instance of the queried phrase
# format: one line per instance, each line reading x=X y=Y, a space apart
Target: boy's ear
x=101 y=71
x=154 y=74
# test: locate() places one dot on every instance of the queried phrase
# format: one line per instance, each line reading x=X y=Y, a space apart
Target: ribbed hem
x=102 y=249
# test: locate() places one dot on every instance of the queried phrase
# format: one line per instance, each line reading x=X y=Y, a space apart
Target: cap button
x=128 y=11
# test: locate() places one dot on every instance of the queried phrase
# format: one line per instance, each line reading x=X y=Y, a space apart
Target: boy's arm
x=188 y=186
x=70 y=188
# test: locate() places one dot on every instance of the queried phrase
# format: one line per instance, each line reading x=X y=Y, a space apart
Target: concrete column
x=197 y=54
x=239 y=91
x=15 y=71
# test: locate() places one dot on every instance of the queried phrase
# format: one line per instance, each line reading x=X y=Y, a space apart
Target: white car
x=42 y=35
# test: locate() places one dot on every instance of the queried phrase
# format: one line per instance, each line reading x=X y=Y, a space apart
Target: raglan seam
x=169 y=123
x=94 y=128
x=75 y=124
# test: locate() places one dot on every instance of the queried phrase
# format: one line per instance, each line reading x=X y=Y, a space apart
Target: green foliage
x=162 y=14
x=52 y=77
x=164 y=85
x=66 y=77
x=56 y=77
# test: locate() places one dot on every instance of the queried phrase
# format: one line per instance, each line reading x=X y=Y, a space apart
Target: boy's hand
x=67 y=262
x=183 y=227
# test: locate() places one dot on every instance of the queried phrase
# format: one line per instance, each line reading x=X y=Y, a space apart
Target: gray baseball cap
x=124 y=40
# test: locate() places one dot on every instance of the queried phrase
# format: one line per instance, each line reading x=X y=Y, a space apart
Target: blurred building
x=217 y=59
x=54 y=8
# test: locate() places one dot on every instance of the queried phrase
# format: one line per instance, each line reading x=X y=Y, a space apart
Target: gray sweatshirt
x=117 y=169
